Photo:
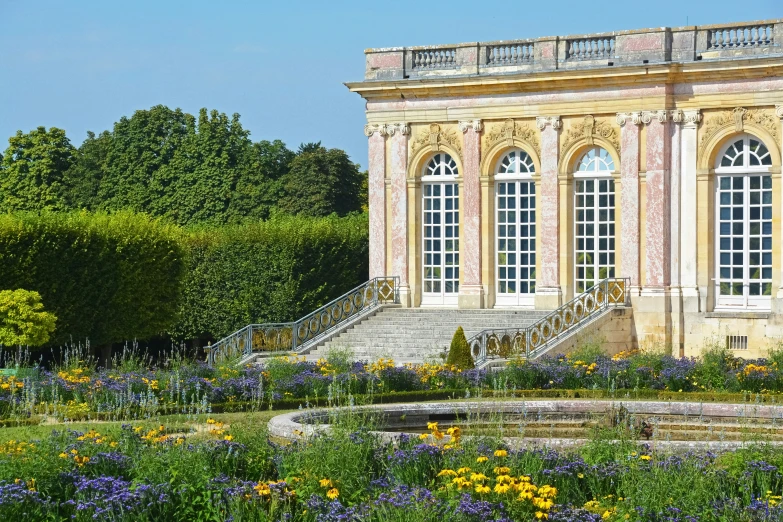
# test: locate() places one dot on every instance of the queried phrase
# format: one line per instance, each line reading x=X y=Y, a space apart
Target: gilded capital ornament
x=471 y=124
x=543 y=121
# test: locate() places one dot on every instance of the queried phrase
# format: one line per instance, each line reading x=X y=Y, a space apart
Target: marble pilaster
x=548 y=290
x=471 y=292
x=399 y=133
x=377 y=198
x=629 y=195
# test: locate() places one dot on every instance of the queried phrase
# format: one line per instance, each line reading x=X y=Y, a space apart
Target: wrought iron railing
x=299 y=335
x=534 y=339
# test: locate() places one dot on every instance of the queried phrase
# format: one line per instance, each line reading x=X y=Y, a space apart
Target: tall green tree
x=32 y=170
x=259 y=187
x=320 y=182
x=83 y=179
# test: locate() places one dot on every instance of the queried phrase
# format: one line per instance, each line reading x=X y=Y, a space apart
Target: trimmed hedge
x=107 y=277
x=272 y=271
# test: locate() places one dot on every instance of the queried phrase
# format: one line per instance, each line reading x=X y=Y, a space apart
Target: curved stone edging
x=290 y=426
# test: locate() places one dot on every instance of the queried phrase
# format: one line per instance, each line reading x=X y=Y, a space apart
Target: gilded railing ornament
x=738 y=118
x=588 y=129
x=533 y=340
x=300 y=335
x=507 y=131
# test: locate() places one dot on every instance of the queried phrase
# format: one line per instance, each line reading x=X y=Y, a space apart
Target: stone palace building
x=517 y=174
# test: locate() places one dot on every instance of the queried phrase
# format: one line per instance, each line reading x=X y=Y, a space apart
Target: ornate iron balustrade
x=534 y=339
x=299 y=335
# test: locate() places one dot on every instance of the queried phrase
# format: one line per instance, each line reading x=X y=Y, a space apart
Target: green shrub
x=106 y=277
x=459 y=351
x=273 y=271
x=23 y=321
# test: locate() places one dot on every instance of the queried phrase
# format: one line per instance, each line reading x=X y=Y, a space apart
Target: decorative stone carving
x=691 y=117
x=676 y=115
x=371 y=129
x=433 y=136
x=634 y=117
x=402 y=128
x=589 y=129
x=473 y=124
x=508 y=130
x=779 y=111
x=739 y=117
x=543 y=121
x=661 y=116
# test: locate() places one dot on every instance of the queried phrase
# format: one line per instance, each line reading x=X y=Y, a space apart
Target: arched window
x=594 y=219
x=440 y=221
x=596 y=160
x=743 y=200
x=515 y=230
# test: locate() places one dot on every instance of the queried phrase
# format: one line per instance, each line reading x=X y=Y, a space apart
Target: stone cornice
x=470 y=124
x=543 y=121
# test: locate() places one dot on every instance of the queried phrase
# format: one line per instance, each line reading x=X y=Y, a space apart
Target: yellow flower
x=502 y=470
x=432 y=426
x=502 y=488
x=333 y=493
x=482 y=459
x=447 y=473
x=63 y=455
x=482 y=489
x=501 y=453
x=478 y=477
x=645 y=457
x=580 y=475
x=540 y=514
x=462 y=471
x=325 y=483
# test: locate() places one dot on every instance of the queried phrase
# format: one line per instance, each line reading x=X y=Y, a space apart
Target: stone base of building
x=470 y=297
x=548 y=298
x=405 y=296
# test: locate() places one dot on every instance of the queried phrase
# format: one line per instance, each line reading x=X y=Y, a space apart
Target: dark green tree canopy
x=189 y=169
x=32 y=169
x=321 y=182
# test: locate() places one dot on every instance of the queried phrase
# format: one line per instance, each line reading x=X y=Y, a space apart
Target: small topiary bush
x=459 y=352
x=23 y=320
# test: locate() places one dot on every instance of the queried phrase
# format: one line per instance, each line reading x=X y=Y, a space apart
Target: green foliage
x=321 y=182
x=107 y=277
x=23 y=320
x=272 y=271
x=588 y=350
x=31 y=171
x=459 y=351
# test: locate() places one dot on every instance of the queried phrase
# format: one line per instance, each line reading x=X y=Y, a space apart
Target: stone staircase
x=413 y=335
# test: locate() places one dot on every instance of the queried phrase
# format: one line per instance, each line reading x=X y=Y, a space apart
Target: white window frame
x=524 y=174
x=745 y=301
x=443 y=177
x=601 y=168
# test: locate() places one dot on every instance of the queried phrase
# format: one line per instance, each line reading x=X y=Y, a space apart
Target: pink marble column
x=629 y=195
x=658 y=229
x=399 y=205
x=377 y=198
x=548 y=277
x=471 y=291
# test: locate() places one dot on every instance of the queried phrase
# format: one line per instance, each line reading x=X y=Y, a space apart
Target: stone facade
x=661 y=107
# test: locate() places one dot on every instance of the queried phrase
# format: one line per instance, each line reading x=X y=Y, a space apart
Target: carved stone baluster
x=733 y=37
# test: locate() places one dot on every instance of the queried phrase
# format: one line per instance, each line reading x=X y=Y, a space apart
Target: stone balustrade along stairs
x=369 y=322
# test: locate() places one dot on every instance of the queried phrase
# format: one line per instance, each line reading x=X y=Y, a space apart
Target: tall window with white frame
x=594 y=220
x=440 y=231
x=743 y=200
x=515 y=222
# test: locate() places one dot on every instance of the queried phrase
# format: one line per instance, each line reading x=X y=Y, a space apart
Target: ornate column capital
x=623 y=117
x=402 y=127
x=779 y=111
x=371 y=129
x=543 y=121
x=660 y=115
x=691 y=118
x=476 y=125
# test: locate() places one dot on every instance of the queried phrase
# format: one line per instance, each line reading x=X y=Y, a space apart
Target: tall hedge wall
x=270 y=271
x=107 y=277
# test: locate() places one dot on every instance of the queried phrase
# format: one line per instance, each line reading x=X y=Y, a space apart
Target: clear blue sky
x=81 y=65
